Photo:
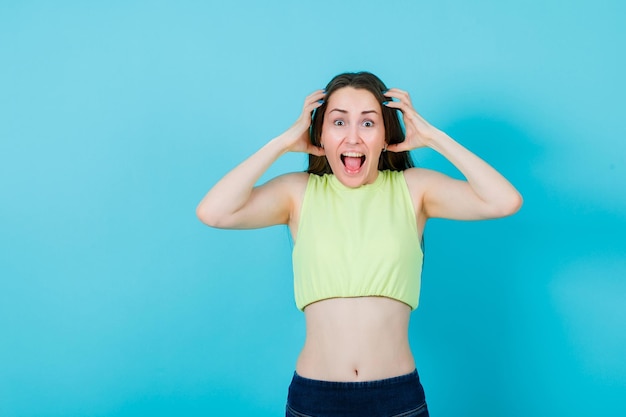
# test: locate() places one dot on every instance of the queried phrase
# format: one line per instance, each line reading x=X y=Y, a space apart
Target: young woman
x=357 y=218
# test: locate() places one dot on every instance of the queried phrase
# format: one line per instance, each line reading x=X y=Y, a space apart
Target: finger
x=313 y=102
x=315 y=96
x=314 y=105
x=400 y=105
x=316 y=93
x=398 y=94
x=398 y=147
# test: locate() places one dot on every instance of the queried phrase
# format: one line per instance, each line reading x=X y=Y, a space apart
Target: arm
x=485 y=194
x=235 y=203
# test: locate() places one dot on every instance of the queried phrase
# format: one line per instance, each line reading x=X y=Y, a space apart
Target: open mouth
x=353 y=161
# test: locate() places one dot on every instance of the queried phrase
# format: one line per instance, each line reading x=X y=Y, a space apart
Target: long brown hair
x=395 y=161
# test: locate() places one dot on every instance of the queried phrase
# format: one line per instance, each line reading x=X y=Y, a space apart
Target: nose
x=353 y=136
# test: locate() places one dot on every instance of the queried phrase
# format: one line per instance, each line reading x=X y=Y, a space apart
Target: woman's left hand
x=418 y=131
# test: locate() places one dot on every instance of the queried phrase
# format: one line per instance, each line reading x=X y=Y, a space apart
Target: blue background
x=116 y=117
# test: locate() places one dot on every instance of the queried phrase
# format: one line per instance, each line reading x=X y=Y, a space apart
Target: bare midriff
x=356 y=339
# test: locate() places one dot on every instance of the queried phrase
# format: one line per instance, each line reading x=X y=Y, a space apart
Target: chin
x=355 y=179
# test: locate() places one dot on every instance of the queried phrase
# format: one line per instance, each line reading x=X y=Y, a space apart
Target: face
x=353 y=135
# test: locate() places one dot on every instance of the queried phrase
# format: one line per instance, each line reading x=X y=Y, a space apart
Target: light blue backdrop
x=116 y=117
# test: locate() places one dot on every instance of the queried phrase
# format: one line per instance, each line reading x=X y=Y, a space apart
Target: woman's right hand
x=235 y=202
x=296 y=138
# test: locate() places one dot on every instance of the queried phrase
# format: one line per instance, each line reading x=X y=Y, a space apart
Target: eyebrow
x=346 y=112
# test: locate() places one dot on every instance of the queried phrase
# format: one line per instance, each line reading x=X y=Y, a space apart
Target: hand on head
x=298 y=135
x=418 y=130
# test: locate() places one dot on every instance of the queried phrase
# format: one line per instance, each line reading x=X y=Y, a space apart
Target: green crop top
x=355 y=242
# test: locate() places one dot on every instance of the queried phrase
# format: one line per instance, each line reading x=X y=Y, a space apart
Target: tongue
x=352 y=163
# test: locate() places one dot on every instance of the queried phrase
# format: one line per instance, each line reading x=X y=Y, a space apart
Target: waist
x=399 y=395
x=337 y=385
x=356 y=339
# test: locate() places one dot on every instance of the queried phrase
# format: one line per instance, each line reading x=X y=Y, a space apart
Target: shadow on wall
x=529 y=306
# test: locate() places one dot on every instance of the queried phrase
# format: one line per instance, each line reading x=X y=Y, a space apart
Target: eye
x=339 y=122
x=368 y=123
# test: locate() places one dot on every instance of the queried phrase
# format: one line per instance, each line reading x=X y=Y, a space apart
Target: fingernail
x=385 y=91
x=320 y=101
x=385 y=103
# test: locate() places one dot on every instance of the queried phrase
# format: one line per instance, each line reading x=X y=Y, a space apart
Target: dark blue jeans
x=401 y=396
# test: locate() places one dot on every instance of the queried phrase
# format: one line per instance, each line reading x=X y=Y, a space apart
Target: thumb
x=397 y=147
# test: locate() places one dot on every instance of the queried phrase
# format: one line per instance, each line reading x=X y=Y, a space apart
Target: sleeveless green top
x=356 y=242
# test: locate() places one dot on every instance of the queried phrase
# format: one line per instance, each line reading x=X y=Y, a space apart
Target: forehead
x=353 y=99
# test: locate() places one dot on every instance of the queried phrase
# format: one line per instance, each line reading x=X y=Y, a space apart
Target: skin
x=353 y=123
x=362 y=338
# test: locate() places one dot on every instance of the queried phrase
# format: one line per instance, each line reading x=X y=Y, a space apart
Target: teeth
x=353 y=154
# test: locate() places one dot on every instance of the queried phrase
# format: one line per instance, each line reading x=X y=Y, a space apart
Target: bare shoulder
x=289 y=187
x=292 y=183
x=300 y=178
x=421 y=182
x=420 y=179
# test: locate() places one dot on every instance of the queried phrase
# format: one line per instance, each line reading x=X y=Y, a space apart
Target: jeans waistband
x=300 y=380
